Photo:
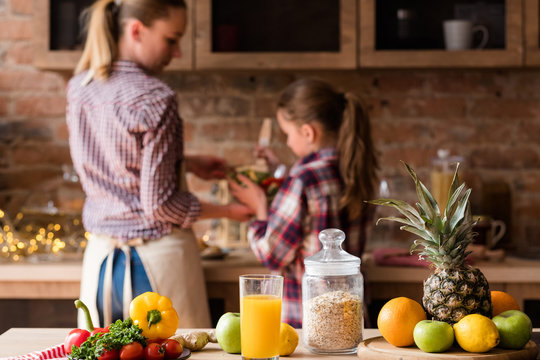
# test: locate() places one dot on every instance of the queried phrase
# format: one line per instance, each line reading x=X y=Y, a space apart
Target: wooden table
x=18 y=341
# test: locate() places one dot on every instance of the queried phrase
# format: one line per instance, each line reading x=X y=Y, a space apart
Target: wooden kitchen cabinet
x=276 y=34
x=425 y=47
x=532 y=32
x=57 y=40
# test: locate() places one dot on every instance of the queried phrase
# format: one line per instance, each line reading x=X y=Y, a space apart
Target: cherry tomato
x=173 y=349
x=155 y=340
x=133 y=351
x=109 y=355
x=99 y=331
x=154 y=351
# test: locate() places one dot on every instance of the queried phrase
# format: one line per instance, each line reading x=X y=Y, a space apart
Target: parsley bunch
x=120 y=333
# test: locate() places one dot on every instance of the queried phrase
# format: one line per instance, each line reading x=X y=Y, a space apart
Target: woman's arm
x=206 y=166
x=234 y=211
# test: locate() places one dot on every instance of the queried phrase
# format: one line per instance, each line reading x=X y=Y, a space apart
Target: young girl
x=326 y=187
x=125 y=138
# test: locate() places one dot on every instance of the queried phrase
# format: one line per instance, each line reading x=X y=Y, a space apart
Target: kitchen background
x=490 y=117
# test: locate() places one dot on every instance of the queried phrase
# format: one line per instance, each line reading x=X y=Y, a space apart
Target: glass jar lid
x=332 y=259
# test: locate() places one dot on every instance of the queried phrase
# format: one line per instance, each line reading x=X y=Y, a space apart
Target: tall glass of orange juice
x=260 y=315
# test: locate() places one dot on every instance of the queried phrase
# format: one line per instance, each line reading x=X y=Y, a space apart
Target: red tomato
x=99 y=331
x=75 y=337
x=155 y=340
x=154 y=351
x=133 y=351
x=109 y=355
x=173 y=349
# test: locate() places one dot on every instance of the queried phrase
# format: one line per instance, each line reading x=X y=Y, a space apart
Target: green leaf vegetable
x=120 y=333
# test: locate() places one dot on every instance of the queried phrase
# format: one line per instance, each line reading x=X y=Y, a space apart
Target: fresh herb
x=120 y=333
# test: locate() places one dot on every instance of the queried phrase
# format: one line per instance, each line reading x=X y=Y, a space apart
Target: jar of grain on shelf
x=332 y=298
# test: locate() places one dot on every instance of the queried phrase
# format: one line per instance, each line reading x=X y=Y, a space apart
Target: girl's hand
x=206 y=166
x=251 y=195
x=266 y=153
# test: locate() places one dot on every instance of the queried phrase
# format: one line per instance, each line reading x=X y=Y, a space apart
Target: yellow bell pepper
x=154 y=314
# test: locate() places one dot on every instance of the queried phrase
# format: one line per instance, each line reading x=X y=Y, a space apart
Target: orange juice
x=260 y=318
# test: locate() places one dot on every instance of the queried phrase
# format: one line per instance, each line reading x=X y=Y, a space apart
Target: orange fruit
x=502 y=301
x=397 y=319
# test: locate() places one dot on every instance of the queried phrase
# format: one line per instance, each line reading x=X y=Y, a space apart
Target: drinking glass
x=260 y=316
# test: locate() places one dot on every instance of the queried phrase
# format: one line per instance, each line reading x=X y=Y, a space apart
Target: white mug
x=458 y=34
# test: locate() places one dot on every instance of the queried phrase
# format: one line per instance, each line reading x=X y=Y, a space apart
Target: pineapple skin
x=450 y=294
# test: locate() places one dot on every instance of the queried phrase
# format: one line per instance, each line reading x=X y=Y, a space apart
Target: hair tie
x=115 y=8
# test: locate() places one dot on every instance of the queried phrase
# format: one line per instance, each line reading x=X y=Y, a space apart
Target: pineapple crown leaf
x=423 y=234
x=442 y=240
x=426 y=201
x=396 y=219
x=403 y=207
x=454 y=196
x=460 y=213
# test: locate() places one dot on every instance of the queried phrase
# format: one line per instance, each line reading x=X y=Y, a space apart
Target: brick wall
x=490 y=117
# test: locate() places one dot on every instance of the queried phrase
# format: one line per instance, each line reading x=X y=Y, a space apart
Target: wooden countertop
x=61 y=280
x=19 y=341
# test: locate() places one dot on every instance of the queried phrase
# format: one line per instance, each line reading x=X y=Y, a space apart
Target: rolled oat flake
x=332 y=298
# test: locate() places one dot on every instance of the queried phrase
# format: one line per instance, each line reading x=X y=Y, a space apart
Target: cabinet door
x=532 y=32
x=275 y=34
x=57 y=45
x=426 y=49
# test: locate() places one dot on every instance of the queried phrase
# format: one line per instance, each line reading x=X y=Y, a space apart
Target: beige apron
x=172 y=264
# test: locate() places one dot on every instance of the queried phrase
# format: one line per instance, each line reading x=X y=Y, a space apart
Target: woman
x=126 y=143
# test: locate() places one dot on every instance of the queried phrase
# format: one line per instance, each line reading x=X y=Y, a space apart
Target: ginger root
x=195 y=340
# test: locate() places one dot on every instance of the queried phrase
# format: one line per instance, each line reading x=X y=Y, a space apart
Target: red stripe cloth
x=54 y=352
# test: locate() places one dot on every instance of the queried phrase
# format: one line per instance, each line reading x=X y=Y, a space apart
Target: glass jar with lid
x=332 y=298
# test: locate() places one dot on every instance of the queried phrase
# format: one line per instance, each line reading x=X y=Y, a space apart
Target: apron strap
x=107 y=288
x=127 y=292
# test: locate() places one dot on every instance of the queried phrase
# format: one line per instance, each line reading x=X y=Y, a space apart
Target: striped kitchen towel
x=53 y=352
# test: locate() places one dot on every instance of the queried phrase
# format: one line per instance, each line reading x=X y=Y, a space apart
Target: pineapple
x=454 y=289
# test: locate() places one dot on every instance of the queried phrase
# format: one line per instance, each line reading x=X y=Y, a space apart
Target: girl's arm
x=275 y=242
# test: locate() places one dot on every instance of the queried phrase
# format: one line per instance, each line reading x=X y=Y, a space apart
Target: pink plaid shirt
x=125 y=139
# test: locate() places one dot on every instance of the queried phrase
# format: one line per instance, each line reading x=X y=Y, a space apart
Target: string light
x=32 y=241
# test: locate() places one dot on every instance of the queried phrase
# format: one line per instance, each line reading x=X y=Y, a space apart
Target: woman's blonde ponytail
x=101 y=46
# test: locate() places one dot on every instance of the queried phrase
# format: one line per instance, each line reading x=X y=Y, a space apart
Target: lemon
x=476 y=333
x=288 y=339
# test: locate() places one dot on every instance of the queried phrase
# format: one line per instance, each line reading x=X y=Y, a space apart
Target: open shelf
x=233 y=34
x=409 y=33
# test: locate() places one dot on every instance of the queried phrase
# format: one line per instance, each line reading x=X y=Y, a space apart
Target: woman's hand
x=251 y=195
x=239 y=212
x=206 y=166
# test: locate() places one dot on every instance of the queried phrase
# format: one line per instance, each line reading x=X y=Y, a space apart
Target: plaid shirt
x=307 y=203
x=125 y=139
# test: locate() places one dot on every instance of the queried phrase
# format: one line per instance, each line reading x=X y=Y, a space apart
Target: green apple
x=228 y=332
x=515 y=329
x=433 y=336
